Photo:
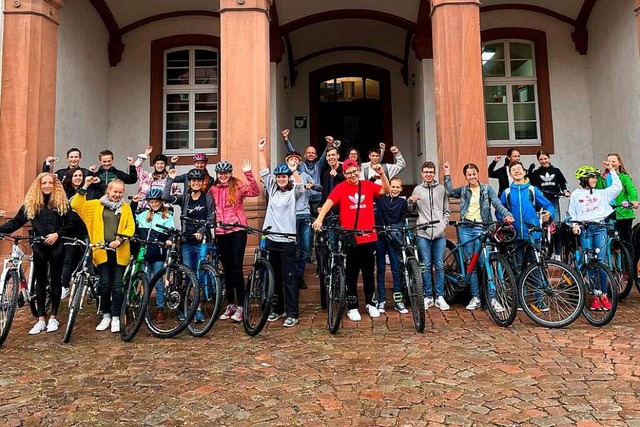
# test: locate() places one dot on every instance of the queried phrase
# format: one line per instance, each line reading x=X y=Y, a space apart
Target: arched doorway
x=352 y=102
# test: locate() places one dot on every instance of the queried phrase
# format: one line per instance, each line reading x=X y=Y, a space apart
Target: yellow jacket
x=91 y=213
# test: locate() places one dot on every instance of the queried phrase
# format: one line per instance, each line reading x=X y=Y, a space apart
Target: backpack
x=532 y=197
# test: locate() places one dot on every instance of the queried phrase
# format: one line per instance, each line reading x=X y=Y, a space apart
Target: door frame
x=350 y=70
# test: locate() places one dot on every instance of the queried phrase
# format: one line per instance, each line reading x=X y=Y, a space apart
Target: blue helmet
x=282 y=169
x=154 y=194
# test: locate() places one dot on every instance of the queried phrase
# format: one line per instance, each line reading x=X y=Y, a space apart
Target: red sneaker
x=606 y=304
x=595 y=304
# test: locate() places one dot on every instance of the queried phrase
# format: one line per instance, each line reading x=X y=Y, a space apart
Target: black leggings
x=51 y=257
x=231 y=248
x=624 y=226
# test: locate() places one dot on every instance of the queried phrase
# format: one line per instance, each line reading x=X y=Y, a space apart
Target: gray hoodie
x=432 y=206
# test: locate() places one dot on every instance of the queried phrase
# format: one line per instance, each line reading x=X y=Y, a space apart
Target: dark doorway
x=352 y=103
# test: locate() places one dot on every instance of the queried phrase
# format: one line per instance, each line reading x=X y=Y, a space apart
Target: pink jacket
x=228 y=214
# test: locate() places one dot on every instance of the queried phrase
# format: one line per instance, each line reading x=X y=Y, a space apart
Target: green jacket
x=628 y=194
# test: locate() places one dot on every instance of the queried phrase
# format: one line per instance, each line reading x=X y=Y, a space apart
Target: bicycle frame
x=463 y=277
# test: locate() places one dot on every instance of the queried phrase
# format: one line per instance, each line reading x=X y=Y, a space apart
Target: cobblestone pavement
x=463 y=370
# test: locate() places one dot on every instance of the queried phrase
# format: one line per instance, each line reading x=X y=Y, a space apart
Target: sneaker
x=372 y=310
x=605 y=303
x=381 y=306
x=556 y=257
x=400 y=308
x=543 y=307
x=496 y=306
x=354 y=315
x=53 y=325
x=65 y=293
x=231 y=309
x=595 y=304
x=442 y=304
x=104 y=323
x=289 y=322
x=180 y=316
x=275 y=316
x=159 y=315
x=428 y=302
x=473 y=304
x=237 y=316
x=199 y=317
x=38 y=327
x=115 y=324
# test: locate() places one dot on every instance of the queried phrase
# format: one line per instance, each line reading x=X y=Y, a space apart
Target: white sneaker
x=104 y=323
x=65 y=293
x=354 y=315
x=381 y=306
x=474 y=303
x=372 y=310
x=496 y=306
x=428 y=302
x=53 y=325
x=556 y=257
x=115 y=324
x=442 y=304
x=38 y=327
x=401 y=308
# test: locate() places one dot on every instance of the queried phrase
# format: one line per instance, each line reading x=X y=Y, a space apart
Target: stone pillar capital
x=438 y=3
x=48 y=9
x=245 y=5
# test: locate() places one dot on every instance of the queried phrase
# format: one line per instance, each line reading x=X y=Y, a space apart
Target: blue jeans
x=190 y=255
x=596 y=237
x=152 y=268
x=383 y=247
x=466 y=235
x=432 y=255
x=303 y=230
x=557 y=237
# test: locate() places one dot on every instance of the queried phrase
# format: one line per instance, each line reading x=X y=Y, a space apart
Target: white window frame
x=509 y=82
x=191 y=89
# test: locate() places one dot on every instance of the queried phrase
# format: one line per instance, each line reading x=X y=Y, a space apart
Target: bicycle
x=596 y=275
x=619 y=260
x=500 y=283
x=179 y=286
x=411 y=279
x=135 y=287
x=13 y=286
x=550 y=231
x=551 y=293
x=83 y=283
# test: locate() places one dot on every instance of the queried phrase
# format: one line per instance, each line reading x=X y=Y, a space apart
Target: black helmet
x=224 y=166
x=160 y=158
x=196 y=174
x=154 y=194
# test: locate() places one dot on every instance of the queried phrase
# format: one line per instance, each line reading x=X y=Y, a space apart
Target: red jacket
x=228 y=214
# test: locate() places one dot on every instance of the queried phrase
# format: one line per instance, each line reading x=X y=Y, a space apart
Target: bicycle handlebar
x=35 y=239
x=385 y=228
x=264 y=232
x=137 y=239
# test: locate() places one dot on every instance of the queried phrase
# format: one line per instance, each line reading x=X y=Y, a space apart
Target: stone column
x=457 y=68
x=636 y=9
x=28 y=104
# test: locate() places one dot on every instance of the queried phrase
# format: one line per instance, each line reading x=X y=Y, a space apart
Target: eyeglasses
x=428 y=172
x=353 y=172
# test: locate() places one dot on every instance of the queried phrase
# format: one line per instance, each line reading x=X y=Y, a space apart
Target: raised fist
x=285 y=134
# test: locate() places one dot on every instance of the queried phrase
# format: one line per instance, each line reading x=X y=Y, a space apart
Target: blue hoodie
x=523 y=210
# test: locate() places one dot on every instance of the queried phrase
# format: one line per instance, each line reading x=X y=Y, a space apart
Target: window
x=349 y=89
x=190 y=100
x=510 y=93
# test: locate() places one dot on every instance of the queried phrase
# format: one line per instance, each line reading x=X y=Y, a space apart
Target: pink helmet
x=200 y=157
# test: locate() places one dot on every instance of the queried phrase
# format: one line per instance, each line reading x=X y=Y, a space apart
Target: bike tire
x=415 y=292
x=322 y=261
x=181 y=300
x=558 y=301
x=134 y=306
x=599 y=317
x=621 y=266
x=258 y=297
x=32 y=297
x=506 y=289
x=211 y=296
x=8 y=302
x=336 y=291
x=451 y=268
x=74 y=307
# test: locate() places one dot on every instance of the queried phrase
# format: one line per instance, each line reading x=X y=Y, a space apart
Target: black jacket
x=47 y=221
x=328 y=184
x=61 y=173
x=108 y=175
x=502 y=174
x=550 y=181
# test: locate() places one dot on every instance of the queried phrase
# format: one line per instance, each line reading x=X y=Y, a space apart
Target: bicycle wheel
x=451 y=268
x=621 y=266
x=415 y=291
x=505 y=287
x=597 y=276
x=336 y=290
x=551 y=294
x=74 y=308
x=177 y=296
x=258 y=297
x=134 y=306
x=32 y=297
x=322 y=261
x=8 y=301
x=211 y=296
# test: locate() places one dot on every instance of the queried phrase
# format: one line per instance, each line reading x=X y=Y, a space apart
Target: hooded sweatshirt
x=432 y=206
x=523 y=210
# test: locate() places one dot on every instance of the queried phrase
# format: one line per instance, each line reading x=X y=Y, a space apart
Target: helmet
x=282 y=169
x=154 y=194
x=160 y=158
x=224 y=166
x=196 y=174
x=200 y=157
x=293 y=154
x=586 y=172
x=504 y=233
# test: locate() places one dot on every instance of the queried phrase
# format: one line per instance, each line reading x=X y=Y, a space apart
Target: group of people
x=301 y=192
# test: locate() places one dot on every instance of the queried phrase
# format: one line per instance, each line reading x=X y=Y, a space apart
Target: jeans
x=383 y=247
x=190 y=255
x=152 y=268
x=282 y=256
x=111 y=285
x=557 y=237
x=467 y=235
x=303 y=231
x=432 y=254
x=360 y=258
x=596 y=237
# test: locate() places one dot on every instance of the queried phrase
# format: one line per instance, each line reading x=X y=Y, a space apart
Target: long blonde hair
x=34 y=200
